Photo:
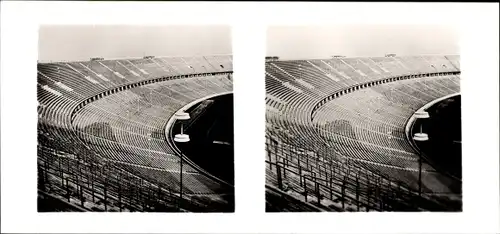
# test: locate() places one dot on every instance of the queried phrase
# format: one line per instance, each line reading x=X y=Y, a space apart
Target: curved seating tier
x=366 y=126
x=127 y=127
x=372 y=129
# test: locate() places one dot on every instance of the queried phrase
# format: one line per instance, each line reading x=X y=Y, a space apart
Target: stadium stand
x=336 y=131
x=101 y=132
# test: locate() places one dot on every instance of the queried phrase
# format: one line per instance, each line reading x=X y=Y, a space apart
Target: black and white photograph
x=249 y=117
x=363 y=118
x=135 y=118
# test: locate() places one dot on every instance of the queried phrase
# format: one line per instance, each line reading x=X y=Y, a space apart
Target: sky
x=324 y=41
x=62 y=43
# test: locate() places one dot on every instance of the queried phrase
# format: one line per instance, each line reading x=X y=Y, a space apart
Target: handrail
x=314 y=179
x=354 y=166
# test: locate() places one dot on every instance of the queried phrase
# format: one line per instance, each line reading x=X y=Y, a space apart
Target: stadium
x=363 y=134
x=106 y=133
x=135 y=134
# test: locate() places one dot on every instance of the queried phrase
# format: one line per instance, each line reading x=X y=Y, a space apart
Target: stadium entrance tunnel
x=444 y=148
x=210 y=129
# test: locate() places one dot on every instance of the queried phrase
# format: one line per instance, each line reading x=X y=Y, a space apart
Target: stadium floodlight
x=182 y=115
x=181 y=138
x=420 y=136
x=422 y=115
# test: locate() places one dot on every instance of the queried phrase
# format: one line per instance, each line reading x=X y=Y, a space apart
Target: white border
x=478 y=24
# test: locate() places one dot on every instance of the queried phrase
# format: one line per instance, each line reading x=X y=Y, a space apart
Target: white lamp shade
x=182 y=116
x=182 y=138
x=422 y=115
x=421 y=137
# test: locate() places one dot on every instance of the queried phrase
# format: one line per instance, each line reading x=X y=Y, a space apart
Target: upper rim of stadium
x=130 y=58
x=357 y=56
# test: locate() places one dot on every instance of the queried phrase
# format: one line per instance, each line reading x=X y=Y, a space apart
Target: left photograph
x=135 y=118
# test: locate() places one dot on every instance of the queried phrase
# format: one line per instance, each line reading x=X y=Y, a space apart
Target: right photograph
x=363 y=118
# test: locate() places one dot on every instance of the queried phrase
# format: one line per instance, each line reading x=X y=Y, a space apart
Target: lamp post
x=181 y=138
x=420 y=136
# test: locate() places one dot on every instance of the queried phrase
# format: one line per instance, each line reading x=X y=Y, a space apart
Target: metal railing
x=329 y=180
x=103 y=187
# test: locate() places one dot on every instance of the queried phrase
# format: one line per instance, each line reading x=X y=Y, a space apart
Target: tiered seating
x=115 y=128
x=365 y=126
x=127 y=128
x=382 y=131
